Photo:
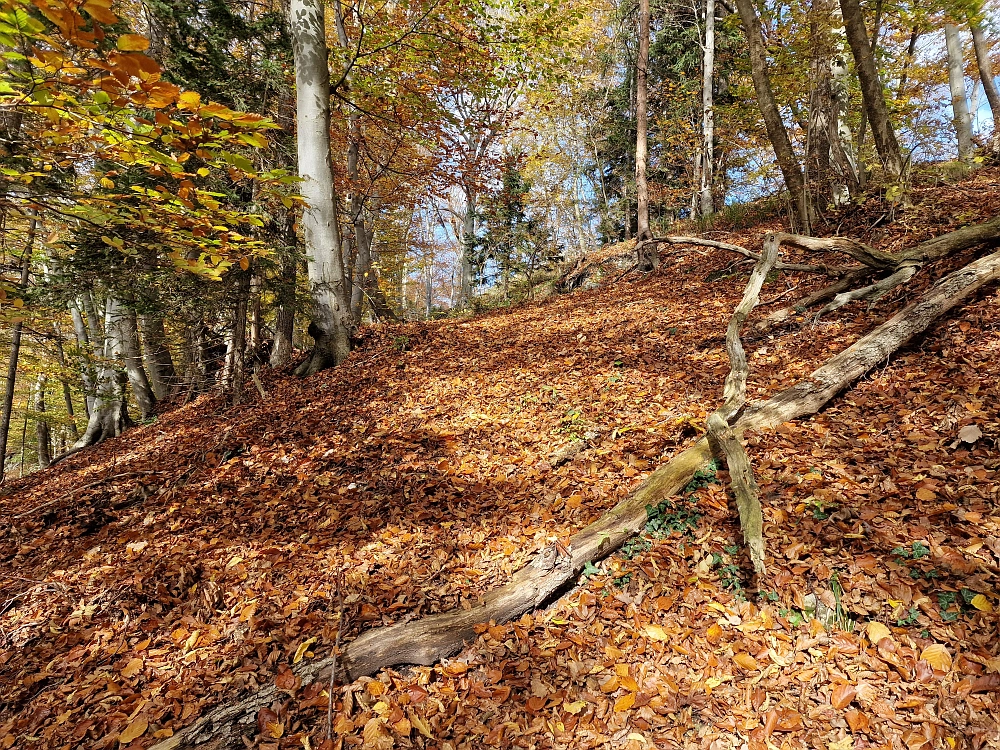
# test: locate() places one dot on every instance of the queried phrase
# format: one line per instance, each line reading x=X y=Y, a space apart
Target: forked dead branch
x=429 y=639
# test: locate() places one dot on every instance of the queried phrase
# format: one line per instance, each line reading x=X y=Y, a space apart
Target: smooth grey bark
x=776 y=133
x=156 y=355
x=986 y=76
x=15 y=349
x=284 y=322
x=961 y=118
x=109 y=415
x=41 y=424
x=236 y=356
x=86 y=362
x=706 y=205
x=468 y=239
x=871 y=89
x=126 y=337
x=647 y=253
x=67 y=393
x=331 y=310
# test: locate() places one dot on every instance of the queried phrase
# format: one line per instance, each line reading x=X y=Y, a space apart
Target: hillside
x=207 y=553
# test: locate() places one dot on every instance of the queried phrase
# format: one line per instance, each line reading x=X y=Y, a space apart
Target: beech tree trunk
x=126 y=337
x=776 y=133
x=646 y=257
x=961 y=118
x=986 y=76
x=15 y=350
x=156 y=355
x=41 y=424
x=86 y=361
x=468 y=239
x=706 y=205
x=871 y=89
x=331 y=314
x=109 y=414
x=284 y=322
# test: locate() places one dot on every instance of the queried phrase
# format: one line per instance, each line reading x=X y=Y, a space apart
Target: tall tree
x=331 y=310
x=647 y=252
x=872 y=93
x=961 y=118
x=986 y=76
x=776 y=132
x=706 y=205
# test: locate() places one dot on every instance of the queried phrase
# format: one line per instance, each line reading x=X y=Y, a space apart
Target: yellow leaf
x=575 y=707
x=275 y=729
x=847 y=743
x=937 y=656
x=714 y=634
x=133 y=43
x=625 y=702
x=376 y=736
x=245 y=263
x=981 y=603
x=301 y=650
x=100 y=11
x=421 y=724
x=189 y=100
x=925 y=494
x=877 y=631
x=136 y=729
x=637 y=737
x=107 y=183
x=132 y=668
x=657 y=633
x=746 y=661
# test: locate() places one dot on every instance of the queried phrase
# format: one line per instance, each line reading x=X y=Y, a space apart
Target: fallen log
x=431 y=638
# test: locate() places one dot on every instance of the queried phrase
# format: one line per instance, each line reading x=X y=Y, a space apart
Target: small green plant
x=669 y=517
x=703 y=478
x=916 y=551
x=820 y=509
x=401 y=343
x=635 y=547
x=771 y=596
x=946 y=599
x=794 y=617
x=589 y=569
x=729 y=575
x=622 y=581
x=909 y=619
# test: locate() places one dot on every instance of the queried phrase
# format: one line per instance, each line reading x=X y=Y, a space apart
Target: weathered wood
x=444 y=634
x=724 y=440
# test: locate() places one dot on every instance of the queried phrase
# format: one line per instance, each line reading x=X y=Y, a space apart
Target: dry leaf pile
x=195 y=558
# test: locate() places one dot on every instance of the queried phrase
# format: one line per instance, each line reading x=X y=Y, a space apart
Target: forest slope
x=196 y=557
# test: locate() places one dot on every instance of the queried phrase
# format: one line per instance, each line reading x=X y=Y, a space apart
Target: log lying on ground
x=438 y=636
x=722 y=437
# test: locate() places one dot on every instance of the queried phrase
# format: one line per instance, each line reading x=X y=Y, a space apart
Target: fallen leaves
x=937 y=656
x=134 y=730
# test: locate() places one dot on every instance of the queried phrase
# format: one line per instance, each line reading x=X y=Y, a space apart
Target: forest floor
x=202 y=555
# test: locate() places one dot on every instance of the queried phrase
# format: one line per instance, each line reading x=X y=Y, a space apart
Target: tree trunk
x=86 y=361
x=15 y=349
x=331 y=314
x=776 y=133
x=122 y=320
x=871 y=89
x=706 y=204
x=237 y=359
x=67 y=393
x=156 y=355
x=284 y=322
x=42 y=424
x=986 y=76
x=468 y=239
x=961 y=118
x=647 y=254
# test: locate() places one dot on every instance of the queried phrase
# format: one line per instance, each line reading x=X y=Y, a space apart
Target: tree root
x=431 y=638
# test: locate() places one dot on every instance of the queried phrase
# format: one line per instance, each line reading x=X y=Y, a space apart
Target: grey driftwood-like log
x=438 y=636
x=722 y=437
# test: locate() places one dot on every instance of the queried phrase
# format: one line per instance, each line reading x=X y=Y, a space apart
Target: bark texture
x=646 y=259
x=706 y=204
x=42 y=424
x=871 y=89
x=15 y=352
x=961 y=118
x=986 y=76
x=331 y=313
x=776 y=133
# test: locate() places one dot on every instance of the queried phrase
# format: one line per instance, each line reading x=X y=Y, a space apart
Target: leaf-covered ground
x=198 y=557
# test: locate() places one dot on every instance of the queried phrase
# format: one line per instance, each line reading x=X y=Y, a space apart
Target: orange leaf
x=133 y=43
x=136 y=729
x=937 y=656
x=625 y=702
x=132 y=668
x=714 y=634
x=746 y=661
x=842 y=695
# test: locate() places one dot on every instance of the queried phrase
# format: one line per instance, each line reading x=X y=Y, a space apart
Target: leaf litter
x=195 y=558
